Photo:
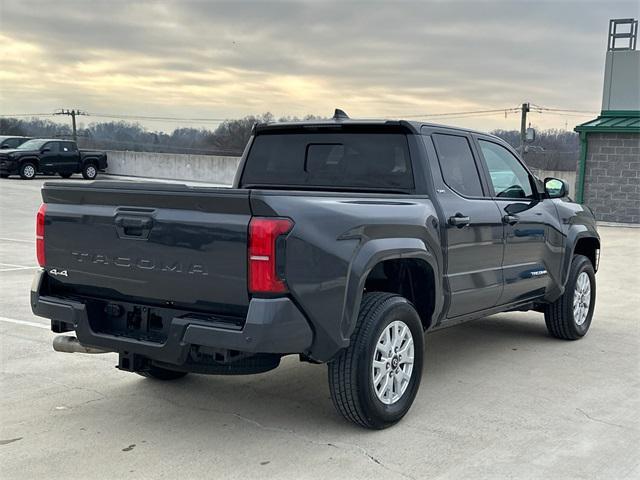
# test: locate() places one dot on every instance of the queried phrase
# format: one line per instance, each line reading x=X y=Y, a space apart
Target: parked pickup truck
x=341 y=241
x=51 y=157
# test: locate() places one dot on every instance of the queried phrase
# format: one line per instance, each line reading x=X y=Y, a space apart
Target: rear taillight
x=42 y=211
x=263 y=238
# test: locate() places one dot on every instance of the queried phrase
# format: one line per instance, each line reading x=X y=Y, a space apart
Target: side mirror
x=45 y=150
x=4 y=147
x=555 y=187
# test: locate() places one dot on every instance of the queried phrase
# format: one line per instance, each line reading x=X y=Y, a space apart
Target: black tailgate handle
x=136 y=228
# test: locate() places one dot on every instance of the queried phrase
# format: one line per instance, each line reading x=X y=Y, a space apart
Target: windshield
x=32 y=145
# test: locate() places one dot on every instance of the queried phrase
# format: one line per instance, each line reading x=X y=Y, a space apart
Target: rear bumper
x=272 y=326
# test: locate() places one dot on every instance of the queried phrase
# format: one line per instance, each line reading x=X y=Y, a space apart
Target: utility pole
x=72 y=114
x=523 y=127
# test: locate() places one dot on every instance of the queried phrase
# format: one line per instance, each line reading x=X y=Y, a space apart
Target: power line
x=145 y=117
x=28 y=115
x=441 y=116
x=553 y=109
x=579 y=115
x=72 y=114
x=498 y=110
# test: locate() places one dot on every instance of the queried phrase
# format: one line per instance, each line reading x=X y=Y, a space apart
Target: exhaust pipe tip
x=69 y=344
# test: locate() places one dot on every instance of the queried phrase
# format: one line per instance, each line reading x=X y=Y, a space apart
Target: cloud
x=227 y=59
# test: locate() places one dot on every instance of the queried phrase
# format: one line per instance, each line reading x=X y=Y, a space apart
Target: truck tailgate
x=165 y=244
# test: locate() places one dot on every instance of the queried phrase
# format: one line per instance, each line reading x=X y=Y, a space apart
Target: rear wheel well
x=412 y=278
x=588 y=247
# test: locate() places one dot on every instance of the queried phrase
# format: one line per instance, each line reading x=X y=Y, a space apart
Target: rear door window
x=52 y=146
x=68 y=147
x=458 y=167
x=358 y=159
x=12 y=143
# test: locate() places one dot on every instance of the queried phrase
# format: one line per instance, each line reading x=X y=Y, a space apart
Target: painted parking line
x=24 y=322
x=10 y=267
x=16 y=269
x=17 y=240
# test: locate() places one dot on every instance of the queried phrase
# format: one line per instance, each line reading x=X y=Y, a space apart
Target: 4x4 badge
x=56 y=272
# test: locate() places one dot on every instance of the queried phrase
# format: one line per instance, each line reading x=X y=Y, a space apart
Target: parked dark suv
x=8 y=142
x=49 y=157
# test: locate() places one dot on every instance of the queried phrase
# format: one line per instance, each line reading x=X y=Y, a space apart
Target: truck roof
x=413 y=125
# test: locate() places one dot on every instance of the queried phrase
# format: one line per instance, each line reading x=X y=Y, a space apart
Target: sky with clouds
x=212 y=59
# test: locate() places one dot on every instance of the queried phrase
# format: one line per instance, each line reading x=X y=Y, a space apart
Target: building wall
x=612 y=176
x=173 y=166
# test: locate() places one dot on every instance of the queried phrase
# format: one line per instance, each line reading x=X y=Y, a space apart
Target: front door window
x=509 y=178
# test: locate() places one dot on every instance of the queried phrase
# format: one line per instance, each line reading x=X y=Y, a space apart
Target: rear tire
x=90 y=171
x=569 y=317
x=27 y=171
x=158 y=373
x=359 y=376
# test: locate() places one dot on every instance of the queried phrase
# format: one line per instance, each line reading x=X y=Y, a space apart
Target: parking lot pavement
x=499 y=397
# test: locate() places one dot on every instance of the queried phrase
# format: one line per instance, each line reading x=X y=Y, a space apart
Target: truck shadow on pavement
x=295 y=398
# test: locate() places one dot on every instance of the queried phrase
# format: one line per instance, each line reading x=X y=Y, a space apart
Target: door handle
x=459 y=220
x=510 y=219
x=134 y=227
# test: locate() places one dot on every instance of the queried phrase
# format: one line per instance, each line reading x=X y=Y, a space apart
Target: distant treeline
x=552 y=149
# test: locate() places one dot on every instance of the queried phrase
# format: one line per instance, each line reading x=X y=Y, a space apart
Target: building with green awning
x=609 y=164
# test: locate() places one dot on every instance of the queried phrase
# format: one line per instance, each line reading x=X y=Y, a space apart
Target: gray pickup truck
x=341 y=241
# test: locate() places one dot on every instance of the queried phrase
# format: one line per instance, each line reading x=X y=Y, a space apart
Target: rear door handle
x=459 y=220
x=510 y=219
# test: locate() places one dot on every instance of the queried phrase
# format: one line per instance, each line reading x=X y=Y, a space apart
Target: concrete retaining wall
x=214 y=169
x=173 y=166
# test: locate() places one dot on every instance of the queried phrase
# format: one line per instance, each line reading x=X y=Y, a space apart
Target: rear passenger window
x=52 y=146
x=12 y=143
x=345 y=158
x=457 y=165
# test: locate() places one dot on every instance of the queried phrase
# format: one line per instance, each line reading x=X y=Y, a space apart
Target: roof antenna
x=340 y=115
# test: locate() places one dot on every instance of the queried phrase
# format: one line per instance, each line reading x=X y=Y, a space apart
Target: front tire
x=90 y=171
x=374 y=381
x=569 y=317
x=27 y=171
